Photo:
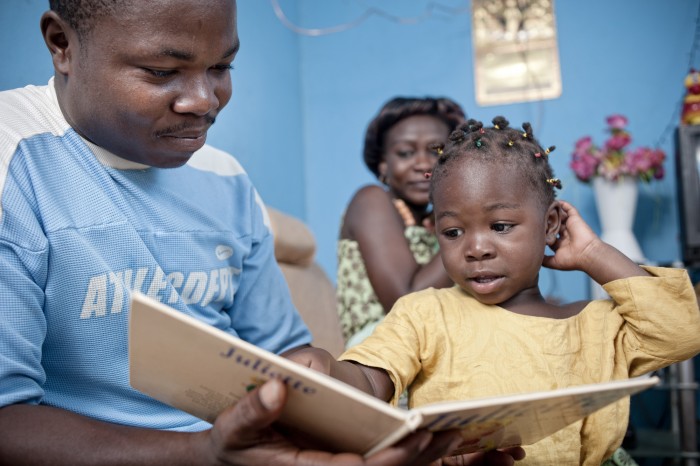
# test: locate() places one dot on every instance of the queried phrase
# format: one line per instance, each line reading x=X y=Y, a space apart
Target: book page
x=505 y=421
x=202 y=370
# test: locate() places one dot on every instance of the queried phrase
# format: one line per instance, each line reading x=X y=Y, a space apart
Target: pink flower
x=584 y=144
x=618 y=141
x=617 y=121
x=584 y=171
x=612 y=161
x=659 y=172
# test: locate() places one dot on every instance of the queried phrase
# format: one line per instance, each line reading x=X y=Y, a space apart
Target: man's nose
x=198 y=97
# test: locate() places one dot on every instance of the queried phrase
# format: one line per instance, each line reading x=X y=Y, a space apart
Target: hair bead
x=500 y=122
x=484 y=143
x=556 y=182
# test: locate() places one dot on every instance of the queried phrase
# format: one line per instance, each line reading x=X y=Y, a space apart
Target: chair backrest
x=312 y=291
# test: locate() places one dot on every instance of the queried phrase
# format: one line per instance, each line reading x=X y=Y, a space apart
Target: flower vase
x=617 y=201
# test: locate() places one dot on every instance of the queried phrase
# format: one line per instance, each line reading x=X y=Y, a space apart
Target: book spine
x=413 y=420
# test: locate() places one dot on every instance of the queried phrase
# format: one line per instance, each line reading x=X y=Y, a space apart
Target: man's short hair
x=81 y=15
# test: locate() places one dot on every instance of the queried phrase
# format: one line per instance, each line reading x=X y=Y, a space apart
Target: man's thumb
x=259 y=409
x=272 y=395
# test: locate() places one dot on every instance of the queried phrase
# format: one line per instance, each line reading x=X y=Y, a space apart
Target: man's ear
x=60 y=39
x=553 y=223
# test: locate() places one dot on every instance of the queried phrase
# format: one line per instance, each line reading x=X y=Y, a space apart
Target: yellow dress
x=444 y=345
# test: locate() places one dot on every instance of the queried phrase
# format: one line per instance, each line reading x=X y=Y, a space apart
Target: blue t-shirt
x=81 y=228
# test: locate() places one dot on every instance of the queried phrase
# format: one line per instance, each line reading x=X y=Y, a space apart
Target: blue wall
x=301 y=104
x=626 y=57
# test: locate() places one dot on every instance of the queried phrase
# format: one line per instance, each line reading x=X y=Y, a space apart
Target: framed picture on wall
x=516 y=58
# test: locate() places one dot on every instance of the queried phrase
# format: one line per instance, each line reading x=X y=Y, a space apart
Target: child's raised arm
x=579 y=248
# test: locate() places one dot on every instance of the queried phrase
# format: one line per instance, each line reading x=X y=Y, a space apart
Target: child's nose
x=479 y=248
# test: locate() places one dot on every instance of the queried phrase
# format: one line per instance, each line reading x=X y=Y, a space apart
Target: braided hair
x=500 y=144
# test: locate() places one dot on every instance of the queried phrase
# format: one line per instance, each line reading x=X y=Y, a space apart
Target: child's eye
x=404 y=154
x=453 y=233
x=501 y=227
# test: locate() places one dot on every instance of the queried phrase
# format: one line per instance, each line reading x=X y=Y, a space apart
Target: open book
x=199 y=369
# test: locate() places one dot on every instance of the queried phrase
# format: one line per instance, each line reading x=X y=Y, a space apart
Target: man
x=107 y=186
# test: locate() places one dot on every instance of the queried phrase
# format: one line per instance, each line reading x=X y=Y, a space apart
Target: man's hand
x=506 y=457
x=244 y=435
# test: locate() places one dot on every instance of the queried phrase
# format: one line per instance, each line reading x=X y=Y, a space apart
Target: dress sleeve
x=661 y=318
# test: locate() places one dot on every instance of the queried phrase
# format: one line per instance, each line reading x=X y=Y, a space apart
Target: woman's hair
x=399 y=108
x=502 y=145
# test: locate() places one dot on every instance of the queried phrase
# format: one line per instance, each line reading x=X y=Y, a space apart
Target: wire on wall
x=431 y=10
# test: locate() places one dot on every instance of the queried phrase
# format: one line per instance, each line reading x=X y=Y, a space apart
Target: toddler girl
x=493 y=194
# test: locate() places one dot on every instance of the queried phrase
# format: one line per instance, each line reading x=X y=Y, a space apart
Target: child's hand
x=579 y=248
x=316 y=358
x=575 y=243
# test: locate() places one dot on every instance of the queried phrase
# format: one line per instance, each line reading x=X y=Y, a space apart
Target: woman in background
x=387 y=247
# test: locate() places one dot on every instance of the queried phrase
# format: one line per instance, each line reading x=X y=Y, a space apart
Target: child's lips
x=486 y=283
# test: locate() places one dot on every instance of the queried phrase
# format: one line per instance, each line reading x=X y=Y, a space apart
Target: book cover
x=199 y=369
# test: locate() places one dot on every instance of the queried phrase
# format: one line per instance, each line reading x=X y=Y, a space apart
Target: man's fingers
x=443 y=443
x=255 y=412
x=404 y=452
x=505 y=457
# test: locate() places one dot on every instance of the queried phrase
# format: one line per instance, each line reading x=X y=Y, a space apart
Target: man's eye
x=501 y=227
x=160 y=73
x=224 y=67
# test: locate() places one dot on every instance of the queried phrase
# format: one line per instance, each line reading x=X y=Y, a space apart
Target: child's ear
x=553 y=223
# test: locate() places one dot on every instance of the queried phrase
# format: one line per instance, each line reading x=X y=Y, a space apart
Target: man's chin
x=172 y=161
